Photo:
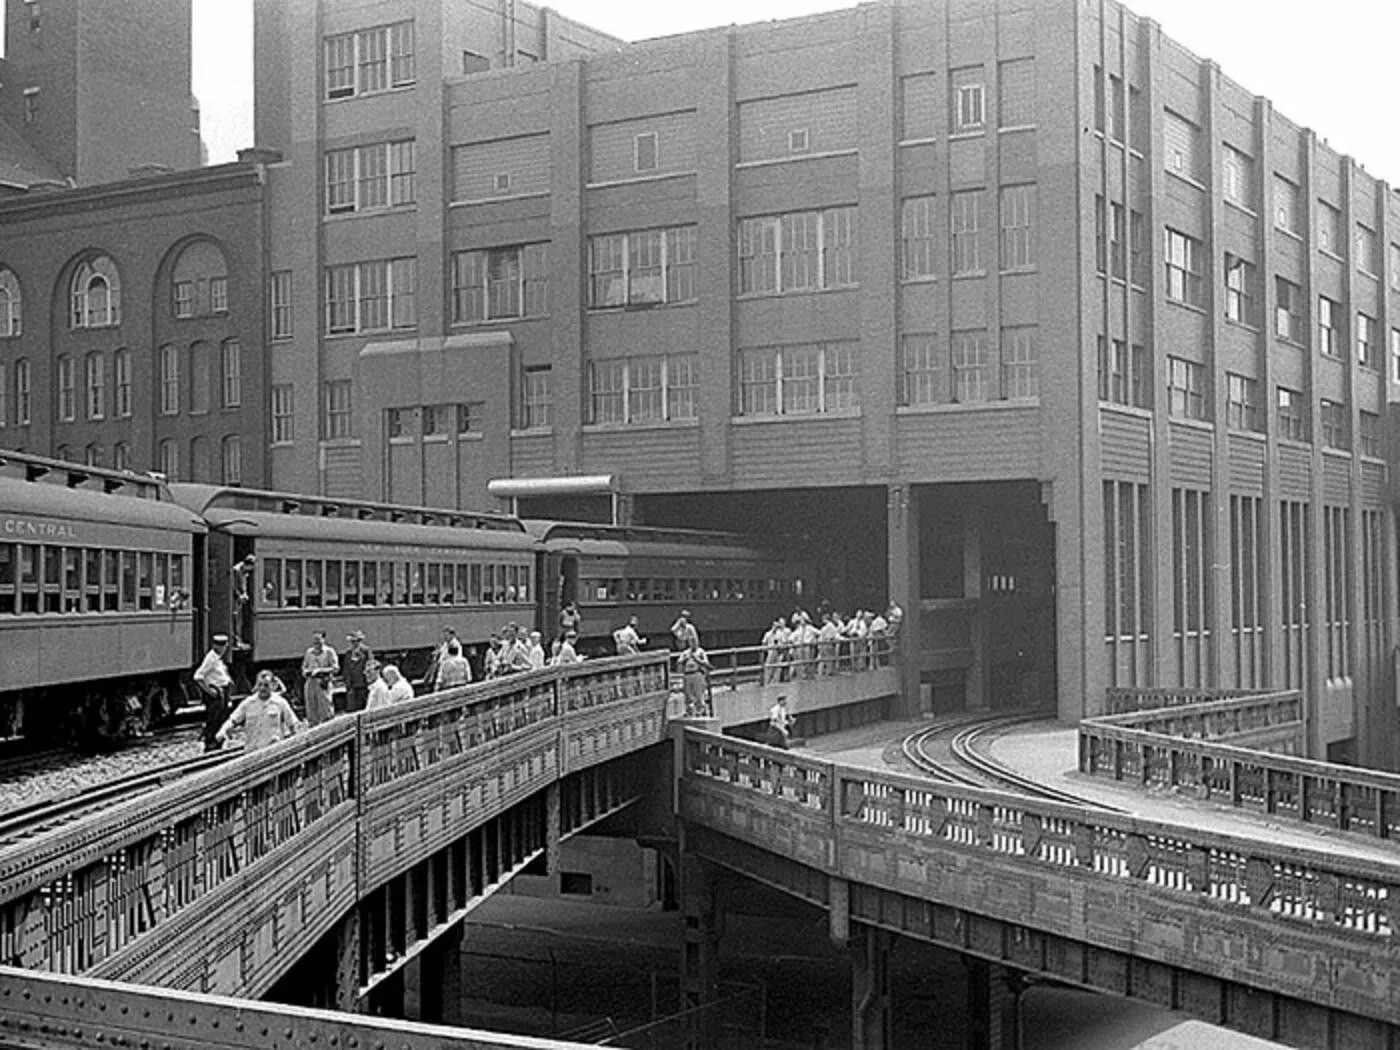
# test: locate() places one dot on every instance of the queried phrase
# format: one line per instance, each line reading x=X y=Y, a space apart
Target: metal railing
x=773 y=665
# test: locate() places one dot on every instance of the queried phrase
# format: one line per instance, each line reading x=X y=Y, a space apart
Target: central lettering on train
x=39 y=530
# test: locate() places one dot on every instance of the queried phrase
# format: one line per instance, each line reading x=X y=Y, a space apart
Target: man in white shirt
x=627 y=640
x=390 y=688
x=536 y=650
x=213 y=681
x=567 y=653
x=779 y=723
x=264 y=715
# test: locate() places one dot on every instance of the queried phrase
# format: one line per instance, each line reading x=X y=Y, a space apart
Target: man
x=243 y=575
x=354 y=666
x=775 y=643
x=695 y=678
x=570 y=619
x=448 y=637
x=683 y=630
x=627 y=640
x=515 y=654
x=391 y=688
x=454 y=670
x=567 y=653
x=317 y=667
x=264 y=715
x=213 y=681
x=779 y=724
x=535 y=650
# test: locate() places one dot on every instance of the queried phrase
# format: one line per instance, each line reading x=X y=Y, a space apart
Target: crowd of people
x=792 y=648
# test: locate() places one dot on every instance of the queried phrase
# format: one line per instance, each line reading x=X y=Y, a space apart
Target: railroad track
x=966 y=765
x=22 y=823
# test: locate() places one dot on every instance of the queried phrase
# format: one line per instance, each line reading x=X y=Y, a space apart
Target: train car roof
x=267 y=525
x=206 y=499
x=26 y=466
x=646 y=542
x=28 y=500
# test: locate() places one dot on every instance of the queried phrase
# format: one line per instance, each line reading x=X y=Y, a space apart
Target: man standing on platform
x=354 y=666
x=214 y=680
x=780 y=724
x=317 y=667
x=264 y=715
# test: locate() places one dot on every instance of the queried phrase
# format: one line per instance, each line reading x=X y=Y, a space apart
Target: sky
x=1328 y=66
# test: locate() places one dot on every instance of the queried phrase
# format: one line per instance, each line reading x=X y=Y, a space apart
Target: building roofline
x=219 y=176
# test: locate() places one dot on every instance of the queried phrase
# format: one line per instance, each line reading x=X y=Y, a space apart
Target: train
x=113 y=583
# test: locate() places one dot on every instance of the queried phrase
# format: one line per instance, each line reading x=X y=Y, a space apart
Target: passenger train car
x=111 y=585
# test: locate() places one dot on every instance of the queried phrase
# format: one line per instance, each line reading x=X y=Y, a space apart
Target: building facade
x=132 y=325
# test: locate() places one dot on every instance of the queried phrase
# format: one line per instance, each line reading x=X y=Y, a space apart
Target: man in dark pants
x=353 y=668
x=213 y=680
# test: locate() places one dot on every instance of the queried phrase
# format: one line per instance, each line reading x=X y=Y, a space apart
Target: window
x=1017 y=227
x=1016 y=87
x=642 y=390
x=1366 y=349
x=1335 y=425
x=973 y=379
x=1192 y=560
x=798 y=140
x=1183 y=149
x=338 y=409
x=1241 y=402
x=231 y=368
x=500 y=283
x=1128 y=564
x=1367 y=257
x=231 y=460
x=11 y=313
x=1117 y=241
x=1137 y=248
x=797 y=380
x=644 y=152
x=95 y=374
x=922 y=381
x=184 y=298
x=1183 y=262
x=67 y=408
x=1370 y=426
x=1020 y=362
x=1240 y=297
x=537 y=398
x=469 y=416
x=31 y=105
x=368 y=178
x=35 y=18
x=22 y=392
x=916 y=237
x=283 y=418
x=4 y=401
x=967 y=99
x=1292 y=418
x=1329 y=229
x=92 y=455
x=797 y=252
x=218 y=295
x=1117 y=118
x=1186 y=397
x=1287 y=205
x=1395 y=355
x=96 y=294
x=967 y=254
x=1329 y=320
x=168 y=456
x=1123 y=373
x=1289 y=322
x=280 y=297
x=371 y=296
x=369 y=60
x=1238 y=176
x=642 y=267
x=121 y=456
x=1100 y=234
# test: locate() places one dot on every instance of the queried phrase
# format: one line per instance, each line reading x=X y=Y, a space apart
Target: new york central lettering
x=25 y=528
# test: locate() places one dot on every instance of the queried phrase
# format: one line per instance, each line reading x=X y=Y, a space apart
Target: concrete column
x=417 y=997
x=993 y=1006
x=902 y=529
x=440 y=978
x=977 y=671
x=552 y=823
x=345 y=995
x=699 y=968
x=872 y=1011
x=387 y=997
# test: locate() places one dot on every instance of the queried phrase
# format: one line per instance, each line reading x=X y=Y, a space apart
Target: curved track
x=965 y=765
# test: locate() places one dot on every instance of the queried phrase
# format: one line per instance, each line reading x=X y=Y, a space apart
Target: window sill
x=1245 y=326
x=923 y=278
x=1241 y=207
x=632 y=428
x=395 y=89
x=434 y=439
x=532 y=432
x=498 y=321
x=1368 y=274
x=370 y=333
x=1136 y=411
x=340 y=442
x=1187 y=306
x=794 y=158
x=281 y=444
x=1259 y=437
x=633 y=180
x=1012 y=128
x=367 y=213
x=963 y=134
x=1186 y=179
x=640 y=308
x=1205 y=426
x=748 y=296
x=927 y=141
x=1330 y=254
x=1292 y=235
x=1301 y=444
x=1001 y=404
x=499 y=199
x=1014 y=271
x=795 y=417
x=969 y=275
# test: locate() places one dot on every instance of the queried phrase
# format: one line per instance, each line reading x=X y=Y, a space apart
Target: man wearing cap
x=354 y=666
x=683 y=631
x=213 y=680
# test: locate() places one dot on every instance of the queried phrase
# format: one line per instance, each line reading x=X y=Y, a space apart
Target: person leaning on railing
x=695 y=678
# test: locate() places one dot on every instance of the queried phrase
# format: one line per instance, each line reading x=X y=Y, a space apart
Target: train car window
x=272 y=582
x=128 y=565
x=144 y=575
x=28 y=578
x=369 y=583
x=415 y=577
x=386 y=583
x=797 y=587
x=177 y=573
x=400 y=583
x=111 y=582
x=632 y=584
x=522 y=577
x=332 y=588
x=488 y=585
x=311 y=584
x=668 y=589
x=72 y=579
x=434 y=582
x=7 y=578
x=162 y=574
x=291 y=592
x=461 y=587
x=350 y=592
x=474 y=586
x=53 y=579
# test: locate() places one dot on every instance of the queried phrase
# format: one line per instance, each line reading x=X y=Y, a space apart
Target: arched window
x=92 y=455
x=10 y=312
x=63 y=452
x=170 y=459
x=96 y=294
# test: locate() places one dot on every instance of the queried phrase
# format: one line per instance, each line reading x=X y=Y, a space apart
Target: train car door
x=243 y=592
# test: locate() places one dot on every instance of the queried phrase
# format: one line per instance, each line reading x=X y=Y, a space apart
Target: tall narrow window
x=201 y=380
x=338 y=409
x=1336 y=425
x=1291 y=417
x=1240 y=296
x=23 y=392
x=4 y=397
x=644 y=152
x=168 y=455
x=1329 y=332
x=1191 y=564
x=916 y=237
x=232 y=460
x=537 y=398
x=1018 y=227
x=121 y=456
x=922 y=373
x=280 y=296
x=11 y=312
x=1367 y=257
x=1182 y=140
x=1186 y=397
x=1241 y=402
x=1127 y=564
x=1247 y=584
x=121 y=383
x=1016 y=87
x=972 y=367
x=1290 y=321
x=1183 y=263
x=969 y=110
x=95 y=374
x=231 y=360
x=1329 y=229
x=1238 y=176
x=67 y=409
x=1287 y=205
x=967 y=253
x=1367 y=352
x=1020 y=362
x=95 y=294
x=283 y=413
